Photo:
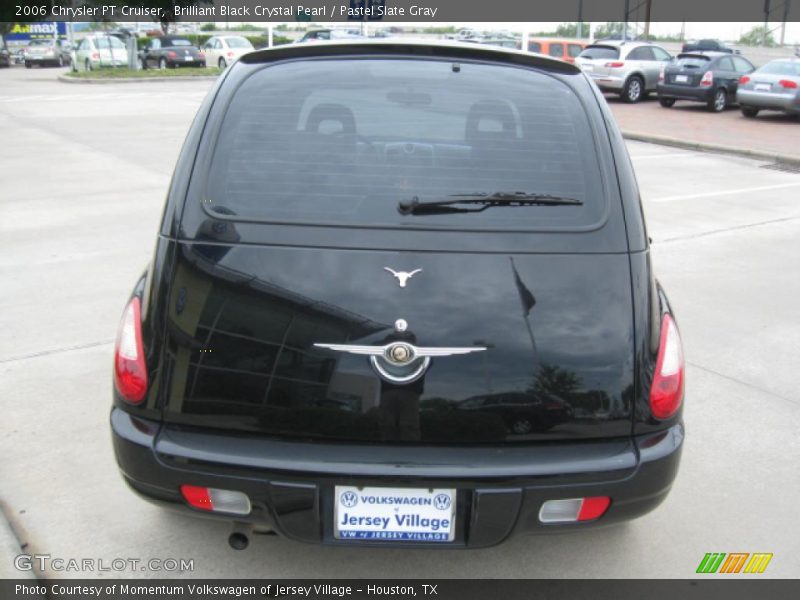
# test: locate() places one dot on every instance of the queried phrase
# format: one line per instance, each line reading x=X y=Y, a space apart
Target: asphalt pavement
x=83 y=176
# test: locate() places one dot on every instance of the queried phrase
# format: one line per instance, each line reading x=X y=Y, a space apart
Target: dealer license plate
x=394 y=514
x=187 y=58
x=762 y=87
x=588 y=67
x=681 y=78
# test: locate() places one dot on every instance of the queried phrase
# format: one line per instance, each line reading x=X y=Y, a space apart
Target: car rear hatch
x=687 y=69
x=300 y=251
x=183 y=50
x=596 y=60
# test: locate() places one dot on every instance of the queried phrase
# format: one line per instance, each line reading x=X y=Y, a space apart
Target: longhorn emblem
x=402 y=276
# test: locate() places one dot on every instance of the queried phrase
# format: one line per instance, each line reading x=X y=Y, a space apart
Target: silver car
x=775 y=86
x=47 y=52
x=630 y=69
x=97 y=50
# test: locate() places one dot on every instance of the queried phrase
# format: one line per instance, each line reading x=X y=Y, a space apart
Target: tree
x=555 y=380
x=755 y=37
x=570 y=30
x=610 y=30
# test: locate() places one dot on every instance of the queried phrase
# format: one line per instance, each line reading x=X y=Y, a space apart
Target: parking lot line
x=762 y=188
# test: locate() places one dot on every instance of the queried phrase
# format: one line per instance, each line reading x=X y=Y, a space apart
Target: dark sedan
x=706 y=46
x=708 y=77
x=5 y=56
x=170 y=52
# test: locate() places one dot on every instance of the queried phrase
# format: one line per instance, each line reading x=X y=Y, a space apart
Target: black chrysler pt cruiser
x=401 y=295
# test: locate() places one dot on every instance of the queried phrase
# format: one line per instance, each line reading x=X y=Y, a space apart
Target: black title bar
x=361 y=589
x=321 y=11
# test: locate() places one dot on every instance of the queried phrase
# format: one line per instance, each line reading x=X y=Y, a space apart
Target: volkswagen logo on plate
x=441 y=501
x=349 y=499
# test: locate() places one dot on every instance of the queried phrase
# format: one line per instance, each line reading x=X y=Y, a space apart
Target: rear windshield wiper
x=446 y=205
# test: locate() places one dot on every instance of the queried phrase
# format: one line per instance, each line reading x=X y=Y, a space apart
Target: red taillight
x=661 y=76
x=666 y=392
x=615 y=65
x=593 y=508
x=130 y=374
x=197 y=497
x=95 y=56
x=213 y=499
x=171 y=54
x=230 y=55
x=201 y=55
x=708 y=78
x=788 y=84
x=743 y=79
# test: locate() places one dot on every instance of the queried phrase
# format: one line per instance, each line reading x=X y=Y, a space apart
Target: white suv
x=630 y=69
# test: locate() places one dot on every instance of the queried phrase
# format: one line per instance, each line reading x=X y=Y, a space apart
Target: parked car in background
x=468 y=35
x=48 y=52
x=775 y=86
x=357 y=239
x=171 y=51
x=564 y=49
x=706 y=46
x=708 y=77
x=630 y=69
x=222 y=50
x=501 y=42
x=99 y=51
x=5 y=55
x=326 y=35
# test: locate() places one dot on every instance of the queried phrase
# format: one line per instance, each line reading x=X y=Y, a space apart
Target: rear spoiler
x=438 y=49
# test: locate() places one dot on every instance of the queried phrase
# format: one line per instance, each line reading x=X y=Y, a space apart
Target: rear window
x=780 y=67
x=575 y=50
x=105 y=43
x=534 y=47
x=692 y=62
x=239 y=43
x=600 y=52
x=342 y=142
x=179 y=42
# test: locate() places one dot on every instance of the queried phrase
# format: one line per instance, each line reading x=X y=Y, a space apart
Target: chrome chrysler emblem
x=402 y=276
x=399 y=353
x=401 y=362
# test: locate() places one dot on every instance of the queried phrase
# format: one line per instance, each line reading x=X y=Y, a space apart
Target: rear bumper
x=608 y=83
x=683 y=92
x=49 y=58
x=186 y=63
x=500 y=490
x=767 y=100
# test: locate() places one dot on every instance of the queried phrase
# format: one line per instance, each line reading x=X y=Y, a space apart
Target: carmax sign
x=24 y=32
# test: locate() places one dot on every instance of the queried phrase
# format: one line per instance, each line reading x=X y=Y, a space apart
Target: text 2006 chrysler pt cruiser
x=401 y=294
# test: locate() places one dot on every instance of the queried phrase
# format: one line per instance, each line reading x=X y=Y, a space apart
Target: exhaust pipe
x=239 y=538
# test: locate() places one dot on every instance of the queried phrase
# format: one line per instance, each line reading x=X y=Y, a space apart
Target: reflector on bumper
x=216 y=500
x=574 y=509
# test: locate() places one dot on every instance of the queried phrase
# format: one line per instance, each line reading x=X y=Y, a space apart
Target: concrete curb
x=68 y=79
x=708 y=147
